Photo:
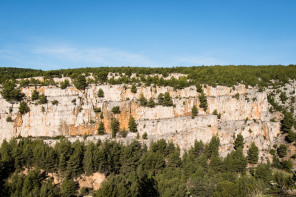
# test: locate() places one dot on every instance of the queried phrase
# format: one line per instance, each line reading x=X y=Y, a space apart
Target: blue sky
x=69 y=34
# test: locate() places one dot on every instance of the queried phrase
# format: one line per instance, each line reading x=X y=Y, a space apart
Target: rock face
x=243 y=110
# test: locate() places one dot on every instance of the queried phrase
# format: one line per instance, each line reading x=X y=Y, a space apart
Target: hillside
x=180 y=105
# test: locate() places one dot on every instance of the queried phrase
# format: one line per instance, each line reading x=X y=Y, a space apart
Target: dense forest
x=211 y=75
x=135 y=170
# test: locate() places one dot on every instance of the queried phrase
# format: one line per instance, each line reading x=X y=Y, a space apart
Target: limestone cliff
x=243 y=110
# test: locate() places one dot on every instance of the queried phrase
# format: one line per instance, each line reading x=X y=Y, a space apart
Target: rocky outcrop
x=243 y=110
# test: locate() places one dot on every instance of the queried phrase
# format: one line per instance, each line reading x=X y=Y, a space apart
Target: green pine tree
x=24 y=108
x=101 y=93
x=114 y=127
x=151 y=103
x=143 y=100
x=253 y=153
x=35 y=95
x=239 y=142
x=134 y=89
x=132 y=125
x=101 y=129
x=203 y=101
x=88 y=159
x=194 y=111
x=167 y=100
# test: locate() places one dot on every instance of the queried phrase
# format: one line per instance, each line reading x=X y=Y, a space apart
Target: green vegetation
x=101 y=129
x=210 y=75
x=116 y=110
x=97 y=109
x=203 y=101
x=132 y=125
x=64 y=84
x=145 y=136
x=23 y=108
x=134 y=170
x=80 y=82
x=42 y=99
x=282 y=151
x=55 y=102
x=253 y=153
x=114 y=127
x=35 y=95
x=194 y=111
x=10 y=92
x=101 y=93
x=239 y=142
x=134 y=89
x=143 y=100
x=151 y=103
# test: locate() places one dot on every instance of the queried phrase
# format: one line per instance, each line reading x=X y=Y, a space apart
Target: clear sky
x=56 y=34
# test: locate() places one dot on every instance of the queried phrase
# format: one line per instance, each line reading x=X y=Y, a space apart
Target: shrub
x=74 y=101
x=123 y=133
x=42 y=109
x=145 y=136
x=116 y=110
x=8 y=119
x=24 y=108
x=97 y=109
x=54 y=102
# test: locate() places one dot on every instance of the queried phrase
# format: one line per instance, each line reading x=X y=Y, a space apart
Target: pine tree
x=198 y=88
x=101 y=116
x=167 y=100
x=24 y=108
x=287 y=122
x=80 y=82
x=9 y=92
x=239 y=142
x=65 y=84
x=291 y=137
x=151 y=103
x=253 y=154
x=213 y=147
x=101 y=129
x=134 y=89
x=88 y=159
x=35 y=95
x=42 y=99
x=132 y=125
x=160 y=99
x=114 y=127
x=68 y=188
x=74 y=165
x=282 y=151
x=143 y=100
x=194 y=111
x=100 y=93
x=62 y=163
x=203 y=101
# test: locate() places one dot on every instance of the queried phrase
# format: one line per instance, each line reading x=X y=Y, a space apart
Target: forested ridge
x=211 y=75
x=135 y=170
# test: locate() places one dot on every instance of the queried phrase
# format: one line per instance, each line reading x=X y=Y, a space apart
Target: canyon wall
x=243 y=110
